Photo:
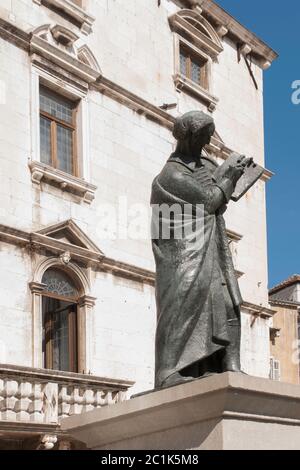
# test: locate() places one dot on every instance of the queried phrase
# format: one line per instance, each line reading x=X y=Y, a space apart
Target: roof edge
x=224 y=19
x=286 y=283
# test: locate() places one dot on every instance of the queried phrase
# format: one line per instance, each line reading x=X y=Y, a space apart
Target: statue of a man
x=198 y=297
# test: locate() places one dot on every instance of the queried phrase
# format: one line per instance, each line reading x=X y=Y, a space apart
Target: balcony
x=34 y=401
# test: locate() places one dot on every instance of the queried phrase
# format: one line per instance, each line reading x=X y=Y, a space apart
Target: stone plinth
x=228 y=411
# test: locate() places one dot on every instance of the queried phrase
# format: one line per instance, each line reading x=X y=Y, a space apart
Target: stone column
x=37 y=289
x=85 y=333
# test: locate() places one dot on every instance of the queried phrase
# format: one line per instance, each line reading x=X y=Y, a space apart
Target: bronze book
x=252 y=174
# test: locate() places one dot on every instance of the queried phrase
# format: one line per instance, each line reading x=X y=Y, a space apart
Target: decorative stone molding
x=184 y=83
x=47 y=442
x=44 y=397
x=51 y=262
x=65 y=257
x=221 y=31
x=71 y=231
x=87 y=301
x=131 y=100
x=96 y=260
x=191 y=25
x=14 y=35
x=62 y=48
x=72 y=11
x=245 y=49
x=258 y=310
x=37 y=287
x=284 y=303
x=41 y=172
x=265 y=64
x=234 y=236
x=217 y=16
x=36 y=241
x=64 y=36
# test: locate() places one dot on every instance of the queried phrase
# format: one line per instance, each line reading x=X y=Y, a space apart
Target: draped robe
x=191 y=277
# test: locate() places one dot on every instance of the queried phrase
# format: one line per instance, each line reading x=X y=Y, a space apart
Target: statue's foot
x=207 y=374
x=233 y=367
x=176 y=379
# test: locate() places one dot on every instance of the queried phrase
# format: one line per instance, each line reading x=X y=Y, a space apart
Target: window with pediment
x=62 y=69
x=197 y=46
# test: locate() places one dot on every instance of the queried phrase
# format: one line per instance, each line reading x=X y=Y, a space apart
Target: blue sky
x=279 y=28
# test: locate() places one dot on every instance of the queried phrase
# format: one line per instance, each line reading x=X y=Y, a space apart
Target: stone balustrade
x=45 y=397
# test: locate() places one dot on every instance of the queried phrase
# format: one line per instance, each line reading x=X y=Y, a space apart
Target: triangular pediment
x=70 y=233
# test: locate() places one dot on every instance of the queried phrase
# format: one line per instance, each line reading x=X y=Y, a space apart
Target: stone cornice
x=239 y=33
x=258 y=310
x=284 y=303
x=122 y=95
x=41 y=172
x=59 y=57
x=76 y=14
x=234 y=236
x=15 y=35
x=132 y=101
x=38 y=242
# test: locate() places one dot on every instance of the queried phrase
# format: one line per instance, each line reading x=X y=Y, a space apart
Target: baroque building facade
x=89 y=91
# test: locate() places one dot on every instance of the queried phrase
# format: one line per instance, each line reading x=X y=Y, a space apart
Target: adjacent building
x=285 y=334
x=88 y=93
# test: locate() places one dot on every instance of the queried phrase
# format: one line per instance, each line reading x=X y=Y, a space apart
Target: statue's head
x=193 y=131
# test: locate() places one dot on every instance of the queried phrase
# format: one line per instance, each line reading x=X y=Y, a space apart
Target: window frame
x=73 y=327
x=275 y=369
x=192 y=56
x=73 y=342
x=183 y=83
x=54 y=121
x=79 y=185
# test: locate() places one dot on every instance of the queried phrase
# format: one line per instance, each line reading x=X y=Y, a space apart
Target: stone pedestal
x=228 y=411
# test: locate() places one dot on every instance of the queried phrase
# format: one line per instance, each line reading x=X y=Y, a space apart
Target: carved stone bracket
x=37 y=287
x=87 y=301
x=183 y=83
x=41 y=172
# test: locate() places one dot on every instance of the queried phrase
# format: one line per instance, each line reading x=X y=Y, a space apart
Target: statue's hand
x=235 y=172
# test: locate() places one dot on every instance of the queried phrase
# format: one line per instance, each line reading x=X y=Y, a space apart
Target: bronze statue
x=198 y=297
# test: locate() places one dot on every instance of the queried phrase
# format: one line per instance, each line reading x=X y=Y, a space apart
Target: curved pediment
x=62 y=46
x=191 y=25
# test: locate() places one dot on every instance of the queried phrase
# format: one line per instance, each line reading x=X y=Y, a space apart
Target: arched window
x=60 y=323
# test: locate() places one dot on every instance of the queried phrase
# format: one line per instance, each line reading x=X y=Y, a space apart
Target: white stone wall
x=255 y=349
x=15 y=306
x=124 y=330
x=134 y=46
